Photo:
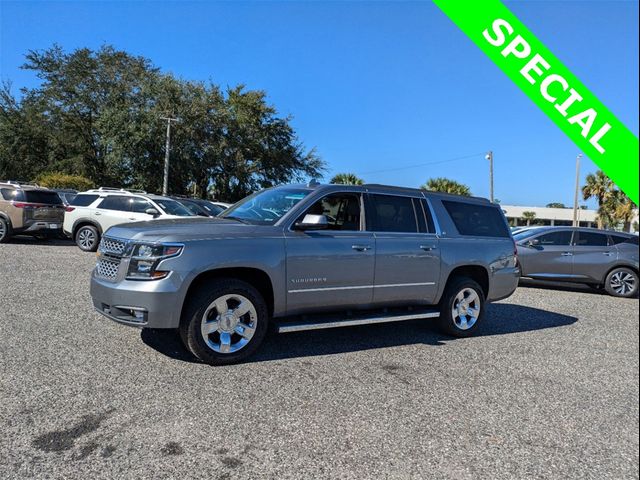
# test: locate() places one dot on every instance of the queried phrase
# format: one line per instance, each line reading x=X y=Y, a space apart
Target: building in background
x=553 y=216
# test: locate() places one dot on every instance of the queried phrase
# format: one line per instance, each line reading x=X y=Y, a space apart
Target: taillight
x=21 y=205
x=69 y=209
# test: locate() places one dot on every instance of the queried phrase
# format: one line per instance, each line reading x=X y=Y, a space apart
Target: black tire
x=447 y=323
x=5 y=230
x=201 y=302
x=622 y=282
x=87 y=238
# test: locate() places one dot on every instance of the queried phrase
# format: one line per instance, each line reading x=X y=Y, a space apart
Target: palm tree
x=528 y=217
x=600 y=187
x=446 y=185
x=346 y=179
x=624 y=210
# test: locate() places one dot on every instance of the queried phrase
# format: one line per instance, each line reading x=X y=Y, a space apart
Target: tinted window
x=211 y=208
x=341 y=209
x=171 y=207
x=617 y=239
x=115 y=203
x=83 y=200
x=9 y=193
x=589 y=239
x=393 y=214
x=40 y=196
x=427 y=211
x=139 y=205
x=555 y=238
x=478 y=220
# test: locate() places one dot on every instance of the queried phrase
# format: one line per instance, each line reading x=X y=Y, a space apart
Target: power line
x=423 y=164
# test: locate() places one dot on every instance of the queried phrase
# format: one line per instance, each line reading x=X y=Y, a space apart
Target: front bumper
x=147 y=304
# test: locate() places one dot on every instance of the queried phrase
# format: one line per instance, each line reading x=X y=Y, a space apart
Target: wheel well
x=475 y=272
x=253 y=276
x=81 y=224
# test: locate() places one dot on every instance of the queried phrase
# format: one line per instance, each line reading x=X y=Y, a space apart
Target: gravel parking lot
x=548 y=390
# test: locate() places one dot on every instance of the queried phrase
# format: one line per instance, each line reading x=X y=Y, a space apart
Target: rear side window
x=9 y=194
x=589 y=239
x=477 y=220
x=618 y=239
x=427 y=212
x=393 y=214
x=42 y=196
x=83 y=200
x=116 y=203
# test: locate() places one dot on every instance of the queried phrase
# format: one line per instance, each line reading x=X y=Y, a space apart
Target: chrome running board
x=299 y=326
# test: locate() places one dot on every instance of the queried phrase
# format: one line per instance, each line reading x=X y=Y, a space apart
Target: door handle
x=567 y=254
x=361 y=248
x=97 y=213
x=428 y=248
x=608 y=254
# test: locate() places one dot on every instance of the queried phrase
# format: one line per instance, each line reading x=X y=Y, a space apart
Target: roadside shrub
x=64 y=180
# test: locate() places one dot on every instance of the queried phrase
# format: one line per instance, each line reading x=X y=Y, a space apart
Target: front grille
x=111 y=252
x=112 y=246
x=107 y=268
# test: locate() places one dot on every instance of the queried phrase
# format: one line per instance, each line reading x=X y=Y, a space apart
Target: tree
x=98 y=114
x=346 y=179
x=556 y=205
x=63 y=180
x=600 y=187
x=528 y=217
x=446 y=185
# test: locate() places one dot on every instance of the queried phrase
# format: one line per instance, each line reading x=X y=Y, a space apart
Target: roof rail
x=20 y=183
x=118 y=190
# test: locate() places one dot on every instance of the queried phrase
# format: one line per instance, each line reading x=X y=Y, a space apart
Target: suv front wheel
x=88 y=238
x=224 y=322
x=462 y=307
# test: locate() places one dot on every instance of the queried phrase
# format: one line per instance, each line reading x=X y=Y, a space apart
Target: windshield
x=266 y=207
x=171 y=207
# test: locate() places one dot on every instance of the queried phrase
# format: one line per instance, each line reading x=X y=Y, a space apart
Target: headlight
x=145 y=259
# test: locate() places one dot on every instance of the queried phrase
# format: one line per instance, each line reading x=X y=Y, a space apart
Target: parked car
x=203 y=208
x=27 y=209
x=93 y=212
x=599 y=258
x=66 y=195
x=307 y=257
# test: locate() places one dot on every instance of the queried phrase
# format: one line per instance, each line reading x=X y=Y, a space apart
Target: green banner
x=551 y=86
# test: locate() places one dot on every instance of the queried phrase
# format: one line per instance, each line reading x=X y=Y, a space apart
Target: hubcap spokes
x=229 y=323
x=86 y=238
x=622 y=282
x=466 y=309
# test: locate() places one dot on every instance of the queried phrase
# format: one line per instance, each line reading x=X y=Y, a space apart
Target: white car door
x=113 y=210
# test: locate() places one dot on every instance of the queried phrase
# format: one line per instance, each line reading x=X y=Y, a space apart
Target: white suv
x=93 y=212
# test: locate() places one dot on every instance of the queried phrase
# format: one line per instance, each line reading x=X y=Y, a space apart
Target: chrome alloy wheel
x=466 y=309
x=229 y=323
x=622 y=283
x=3 y=230
x=86 y=238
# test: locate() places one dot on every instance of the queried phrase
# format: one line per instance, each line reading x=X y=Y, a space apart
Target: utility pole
x=167 y=148
x=576 y=222
x=489 y=156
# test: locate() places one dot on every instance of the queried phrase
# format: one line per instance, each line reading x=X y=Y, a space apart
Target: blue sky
x=375 y=87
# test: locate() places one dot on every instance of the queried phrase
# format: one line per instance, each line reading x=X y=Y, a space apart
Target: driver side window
x=342 y=210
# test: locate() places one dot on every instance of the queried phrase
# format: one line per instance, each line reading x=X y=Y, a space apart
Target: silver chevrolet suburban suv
x=305 y=257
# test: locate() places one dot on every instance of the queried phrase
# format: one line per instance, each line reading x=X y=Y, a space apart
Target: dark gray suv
x=599 y=258
x=307 y=257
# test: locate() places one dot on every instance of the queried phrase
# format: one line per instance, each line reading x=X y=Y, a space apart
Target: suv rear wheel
x=88 y=238
x=4 y=230
x=621 y=282
x=224 y=322
x=462 y=307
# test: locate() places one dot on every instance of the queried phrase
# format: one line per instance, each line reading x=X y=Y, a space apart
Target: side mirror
x=312 y=222
x=153 y=212
x=534 y=242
